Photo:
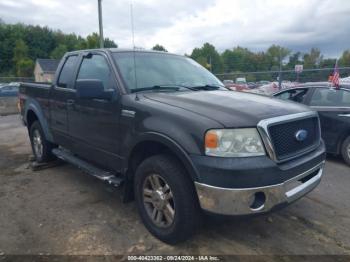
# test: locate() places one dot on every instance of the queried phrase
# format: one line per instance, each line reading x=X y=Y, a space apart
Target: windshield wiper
x=160 y=88
x=207 y=87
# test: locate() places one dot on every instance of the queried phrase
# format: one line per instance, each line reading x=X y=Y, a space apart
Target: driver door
x=94 y=123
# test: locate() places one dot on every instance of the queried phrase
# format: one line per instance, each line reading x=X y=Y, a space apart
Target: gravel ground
x=61 y=210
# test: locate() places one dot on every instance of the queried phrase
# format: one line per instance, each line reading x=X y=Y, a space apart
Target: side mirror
x=92 y=89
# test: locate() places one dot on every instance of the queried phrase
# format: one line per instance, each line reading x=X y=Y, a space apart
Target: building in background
x=45 y=69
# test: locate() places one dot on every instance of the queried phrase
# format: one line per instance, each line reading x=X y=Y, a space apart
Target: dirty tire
x=345 y=150
x=36 y=132
x=184 y=198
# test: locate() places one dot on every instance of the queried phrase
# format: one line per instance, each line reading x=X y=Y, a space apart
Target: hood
x=231 y=109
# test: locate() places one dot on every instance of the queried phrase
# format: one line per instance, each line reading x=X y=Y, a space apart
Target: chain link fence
x=10 y=79
x=270 y=81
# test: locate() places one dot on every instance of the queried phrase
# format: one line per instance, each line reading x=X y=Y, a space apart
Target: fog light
x=258 y=201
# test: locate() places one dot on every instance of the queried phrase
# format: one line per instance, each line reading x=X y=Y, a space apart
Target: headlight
x=241 y=142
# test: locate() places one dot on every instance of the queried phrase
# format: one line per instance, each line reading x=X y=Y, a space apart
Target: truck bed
x=38 y=92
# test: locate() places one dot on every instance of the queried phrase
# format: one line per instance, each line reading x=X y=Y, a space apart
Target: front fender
x=175 y=148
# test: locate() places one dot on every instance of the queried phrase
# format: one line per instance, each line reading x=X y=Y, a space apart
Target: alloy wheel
x=158 y=200
x=37 y=144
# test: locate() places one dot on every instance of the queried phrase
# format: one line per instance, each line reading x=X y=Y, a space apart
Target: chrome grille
x=279 y=135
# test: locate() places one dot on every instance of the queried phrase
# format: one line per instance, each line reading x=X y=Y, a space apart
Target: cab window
x=96 y=67
x=67 y=71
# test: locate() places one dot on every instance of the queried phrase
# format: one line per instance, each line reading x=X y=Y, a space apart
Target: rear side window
x=96 y=67
x=330 y=97
x=67 y=71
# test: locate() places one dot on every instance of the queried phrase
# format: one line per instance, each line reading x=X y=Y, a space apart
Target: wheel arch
x=341 y=140
x=34 y=112
x=155 y=143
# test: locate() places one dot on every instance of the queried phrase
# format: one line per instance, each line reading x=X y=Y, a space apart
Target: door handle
x=344 y=115
x=70 y=102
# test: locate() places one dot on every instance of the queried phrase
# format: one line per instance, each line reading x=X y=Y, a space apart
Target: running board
x=67 y=156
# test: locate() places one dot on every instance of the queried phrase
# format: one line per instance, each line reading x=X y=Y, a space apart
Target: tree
x=294 y=59
x=159 y=48
x=108 y=43
x=328 y=63
x=208 y=57
x=313 y=59
x=345 y=58
x=93 y=41
x=19 y=41
x=25 y=67
x=59 y=51
x=238 y=59
x=276 y=54
x=20 y=51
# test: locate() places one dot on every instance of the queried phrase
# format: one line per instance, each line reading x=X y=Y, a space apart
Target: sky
x=181 y=25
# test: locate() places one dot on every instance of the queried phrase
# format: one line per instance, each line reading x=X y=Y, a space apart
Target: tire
x=40 y=146
x=345 y=150
x=180 y=193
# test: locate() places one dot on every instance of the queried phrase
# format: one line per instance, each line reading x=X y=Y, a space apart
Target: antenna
x=133 y=43
x=132 y=24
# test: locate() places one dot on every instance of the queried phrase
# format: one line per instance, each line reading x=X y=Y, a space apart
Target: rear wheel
x=345 y=150
x=40 y=146
x=166 y=199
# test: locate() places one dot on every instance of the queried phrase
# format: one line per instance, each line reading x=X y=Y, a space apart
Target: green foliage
x=25 y=67
x=208 y=57
x=294 y=59
x=276 y=54
x=313 y=59
x=158 y=47
x=108 y=43
x=21 y=43
x=238 y=59
x=93 y=41
x=345 y=58
x=23 y=64
x=20 y=51
x=59 y=51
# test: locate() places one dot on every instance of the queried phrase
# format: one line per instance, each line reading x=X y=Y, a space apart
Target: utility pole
x=280 y=70
x=100 y=23
x=211 y=67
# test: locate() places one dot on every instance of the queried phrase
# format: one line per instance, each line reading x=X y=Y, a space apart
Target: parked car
x=8 y=90
x=252 y=85
x=228 y=81
x=239 y=85
x=167 y=130
x=263 y=82
x=333 y=106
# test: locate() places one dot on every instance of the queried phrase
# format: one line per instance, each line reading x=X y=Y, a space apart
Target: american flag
x=335 y=78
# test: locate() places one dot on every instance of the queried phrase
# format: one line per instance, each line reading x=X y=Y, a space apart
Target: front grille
x=283 y=137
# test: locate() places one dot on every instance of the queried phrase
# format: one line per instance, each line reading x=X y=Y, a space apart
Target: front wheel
x=40 y=146
x=345 y=150
x=166 y=199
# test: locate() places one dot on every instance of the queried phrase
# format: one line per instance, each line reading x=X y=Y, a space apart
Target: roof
x=48 y=65
x=120 y=50
x=321 y=84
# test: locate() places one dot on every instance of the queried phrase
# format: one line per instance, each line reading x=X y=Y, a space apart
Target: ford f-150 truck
x=173 y=136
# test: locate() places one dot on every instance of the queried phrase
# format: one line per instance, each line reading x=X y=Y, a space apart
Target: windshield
x=156 y=69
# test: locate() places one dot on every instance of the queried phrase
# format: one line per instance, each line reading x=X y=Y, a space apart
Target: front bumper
x=245 y=201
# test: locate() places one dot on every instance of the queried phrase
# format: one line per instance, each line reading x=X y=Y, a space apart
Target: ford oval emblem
x=301 y=135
